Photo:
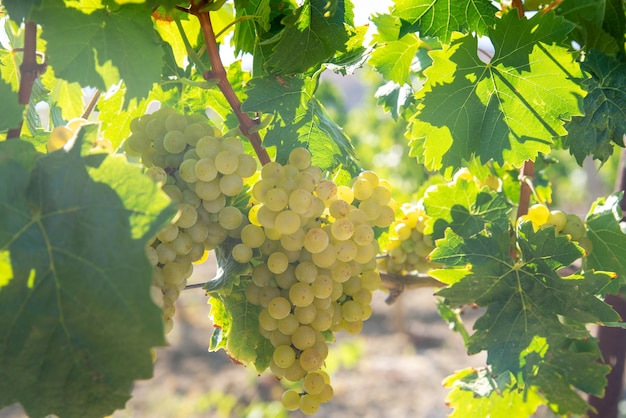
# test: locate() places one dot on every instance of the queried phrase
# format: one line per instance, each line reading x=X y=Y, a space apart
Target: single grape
x=290 y=400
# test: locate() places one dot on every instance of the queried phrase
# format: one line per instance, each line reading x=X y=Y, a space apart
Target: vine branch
x=247 y=125
x=29 y=71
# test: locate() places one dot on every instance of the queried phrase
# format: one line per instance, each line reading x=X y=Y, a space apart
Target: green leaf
x=475 y=393
x=615 y=21
x=313 y=129
x=245 y=36
x=277 y=95
x=528 y=301
x=312 y=36
x=609 y=242
x=20 y=9
x=99 y=48
x=77 y=321
x=465 y=208
x=507 y=110
x=439 y=18
x=229 y=271
x=237 y=329
x=10 y=109
x=394 y=97
x=604 y=122
x=393 y=59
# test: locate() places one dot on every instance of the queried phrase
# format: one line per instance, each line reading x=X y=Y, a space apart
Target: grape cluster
x=408 y=247
x=316 y=248
x=564 y=224
x=64 y=134
x=203 y=172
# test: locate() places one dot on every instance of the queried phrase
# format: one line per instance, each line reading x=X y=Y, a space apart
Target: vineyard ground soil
x=393 y=369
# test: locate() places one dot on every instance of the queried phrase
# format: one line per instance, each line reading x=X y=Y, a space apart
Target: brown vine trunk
x=613 y=340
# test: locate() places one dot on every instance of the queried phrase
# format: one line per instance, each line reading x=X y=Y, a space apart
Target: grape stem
x=218 y=73
x=398 y=283
x=29 y=71
x=526 y=176
x=517 y=4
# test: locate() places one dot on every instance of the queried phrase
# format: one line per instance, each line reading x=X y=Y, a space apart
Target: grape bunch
x=203 y=172
x=564 y=224
x=315 y=245
x=408 y=247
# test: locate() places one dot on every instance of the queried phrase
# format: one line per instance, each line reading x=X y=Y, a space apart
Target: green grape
x=354 y=327
x=301 y=294
x=287 y=222
x=246 y=166
x=183 y=243
x=174 y=142
x=311 y=360
x=326 y=257
x=157 y=174
x=288 y=325
x=227 y=162
x=279 y=307
x=175 y=121
x=323 y=321
x=339 y=209
x=309 y=404
x=345 y=194
x=346 y=250
x=272 y=172
x=326 y=394
x=352 y=285
x=304 y=337
x=278 y=338
x=340 y=271
x=277 y=262
x=305 y=314
x=276 y=199
x=362 y=189
x=155 y=128
x=188 y=215
x=306 y=272
x=207 y=191
x=294 y=372
x=241 y=253
x=208 y=147
x=290 y=400
x=205 y=169
x=558 y=219
x=371 y=208
x=165 y=252
x=191 y=198
x=193 y=132
x=386 y=217
x=215 y=205
x=266 y=321
x=363 y=234
x=173 y=273
x=267 y=294
x=293 y=242
x=168 y=234
x=300 y=201
x=322 y=286
x=233 y=144
x=342 y=229
x=300 y=158
x=153 y=256
x=187 y=171
x=284 y=356
x=231 y=184
x=575 y=227
x=316 y=240
x=314 y=383
x=352 y=311
x=138 y=141
x=230 y=218
x=326 y=190
x=538 y=214
x=252 y=235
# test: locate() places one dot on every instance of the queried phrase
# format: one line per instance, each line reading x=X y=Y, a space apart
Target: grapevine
x=106 y=207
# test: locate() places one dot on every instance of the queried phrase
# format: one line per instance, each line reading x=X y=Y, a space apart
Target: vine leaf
x=609 y=242
x=301 y=120
x=237 y=329
x=465 y=208
x=393 y=59
x=509 y=109
x=526 y=299
x=101 y=42
x=604 y=122
x=20 y=9
x=439 y=18
x=9 y=108
x=313 y=34
x=77 y=321
x=477 y=393
x=245 y=32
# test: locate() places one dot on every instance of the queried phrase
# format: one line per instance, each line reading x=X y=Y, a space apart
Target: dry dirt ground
x=393 y=369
